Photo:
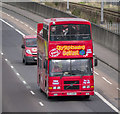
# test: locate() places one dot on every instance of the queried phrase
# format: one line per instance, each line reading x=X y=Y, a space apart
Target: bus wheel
x=48 y=97
x=41 y=90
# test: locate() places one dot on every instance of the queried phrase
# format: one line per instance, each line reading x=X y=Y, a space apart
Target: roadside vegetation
x=110 y=23
x=108 y=6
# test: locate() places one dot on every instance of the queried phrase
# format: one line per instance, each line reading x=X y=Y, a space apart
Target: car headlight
x=28 y=51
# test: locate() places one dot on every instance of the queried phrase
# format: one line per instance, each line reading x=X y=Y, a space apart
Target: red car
x=29 y=49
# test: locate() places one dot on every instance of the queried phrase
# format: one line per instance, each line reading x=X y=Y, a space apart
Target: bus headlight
x=58 y=87
x=28 y=51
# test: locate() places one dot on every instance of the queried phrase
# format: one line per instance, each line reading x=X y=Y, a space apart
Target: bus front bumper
x=71 y=93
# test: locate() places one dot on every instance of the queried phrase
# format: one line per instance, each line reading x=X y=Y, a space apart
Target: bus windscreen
x=70 y=32
x=71 y=67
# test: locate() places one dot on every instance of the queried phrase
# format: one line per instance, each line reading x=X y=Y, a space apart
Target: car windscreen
x=70 y=32
x=71 y=67
x=31 y=42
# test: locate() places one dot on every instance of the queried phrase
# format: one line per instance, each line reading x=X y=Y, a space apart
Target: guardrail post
x=102 y=5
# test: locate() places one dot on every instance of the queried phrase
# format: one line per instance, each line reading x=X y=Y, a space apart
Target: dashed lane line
x=6 y=60
x=26 y=25
x=12 y=17
x=12 y=67
x=32 y=92
x=17 y=74
x=16 y=19
x=4 y=12
x=96 y=73
x=118 y=89
x=31 y=28
x=21 y=22
x=24 y=82
x=106 y=80
x=41 y=103
x=1 y=53
x=8 y=15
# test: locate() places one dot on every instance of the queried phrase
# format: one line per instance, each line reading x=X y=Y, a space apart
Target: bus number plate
x=71 y=93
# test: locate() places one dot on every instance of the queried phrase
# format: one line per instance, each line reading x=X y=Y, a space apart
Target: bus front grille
x=71 y=87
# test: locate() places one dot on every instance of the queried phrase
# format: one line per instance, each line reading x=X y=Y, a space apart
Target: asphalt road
x=17 y=95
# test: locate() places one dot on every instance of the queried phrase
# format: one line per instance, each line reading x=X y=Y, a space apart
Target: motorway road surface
x=20 y=91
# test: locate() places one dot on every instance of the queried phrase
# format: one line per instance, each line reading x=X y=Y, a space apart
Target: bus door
x=39 y=70
x=44 y=73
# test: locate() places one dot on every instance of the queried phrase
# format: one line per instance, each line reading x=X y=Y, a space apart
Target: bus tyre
x=48 y=97
x=41 y=90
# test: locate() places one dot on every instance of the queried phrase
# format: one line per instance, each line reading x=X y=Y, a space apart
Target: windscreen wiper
x=61 y=75
x=64 y=73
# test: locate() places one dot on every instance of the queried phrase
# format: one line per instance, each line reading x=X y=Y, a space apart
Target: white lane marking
x=118 y=89
x=1 y=53
x=26 y=25
x=6 y=23
x=96 y=73
x=12 y=17
x=17 y=74
x=32 y=92
x=16 y=19
x=24 y=82
x=21 y=22
x=6 y=60
x=28 y=87
x=31 y=28
x=106 y=80
x=109 y=104
x=13 y=27
x=19 y=32
x=4 y=12
x=8 y=15
x=12 y=67
x=41 y=103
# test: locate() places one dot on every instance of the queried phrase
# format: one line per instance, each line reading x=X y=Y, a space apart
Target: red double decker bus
x=65 y=57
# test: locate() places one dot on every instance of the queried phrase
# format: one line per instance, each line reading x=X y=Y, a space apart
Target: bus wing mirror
x=23 y=46
x=95 y=62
